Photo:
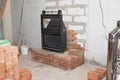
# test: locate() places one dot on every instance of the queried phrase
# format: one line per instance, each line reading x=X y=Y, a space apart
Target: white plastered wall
x=97 y=43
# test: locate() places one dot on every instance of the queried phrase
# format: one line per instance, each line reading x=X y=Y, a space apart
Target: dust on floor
x=45 y=72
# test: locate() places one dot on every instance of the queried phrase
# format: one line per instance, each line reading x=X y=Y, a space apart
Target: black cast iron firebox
x=53 y=31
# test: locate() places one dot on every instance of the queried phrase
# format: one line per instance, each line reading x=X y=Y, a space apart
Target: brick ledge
x=60 y=60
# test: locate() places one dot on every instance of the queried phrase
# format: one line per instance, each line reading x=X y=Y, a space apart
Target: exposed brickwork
x=73 y=47
x=76 y=52
x=74 y=15
x=97 y=74
x=63 y=61
x=71 y=36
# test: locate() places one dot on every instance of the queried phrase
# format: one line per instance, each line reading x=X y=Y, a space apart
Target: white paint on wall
x=67 y=18
x=75 y=11
x=53 y=3
x=81 y=36
x=97 y=44
x=85 y=2
x=75 y=27
x=65 y=2
x=80 y=19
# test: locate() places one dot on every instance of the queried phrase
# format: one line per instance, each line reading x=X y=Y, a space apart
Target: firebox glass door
x=46 y=22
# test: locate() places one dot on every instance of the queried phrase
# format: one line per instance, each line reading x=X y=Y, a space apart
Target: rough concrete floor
x=45 y=72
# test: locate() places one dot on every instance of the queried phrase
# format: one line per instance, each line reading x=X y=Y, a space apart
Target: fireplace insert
x=53 y=31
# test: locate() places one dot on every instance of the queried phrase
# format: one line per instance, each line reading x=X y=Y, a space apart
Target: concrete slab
x=45 y=72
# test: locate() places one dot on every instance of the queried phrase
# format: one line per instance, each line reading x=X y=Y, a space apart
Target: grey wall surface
x=16 y=6
x=31 y=26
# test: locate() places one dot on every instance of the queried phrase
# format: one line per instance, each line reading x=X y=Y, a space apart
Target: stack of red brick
x=73 y=48
x=97 y=74
x=63 y=61
x=9 y=68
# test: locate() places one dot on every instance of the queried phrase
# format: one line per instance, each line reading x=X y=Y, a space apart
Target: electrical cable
x=102 y=13
x=20 y=27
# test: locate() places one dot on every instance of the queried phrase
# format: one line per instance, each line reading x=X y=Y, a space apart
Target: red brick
x=76 y=52
x=2 y=76
x=74 y=46
x=97 y=74
x=9 y=68
x=2 y=56
x=25 y=74
x=63 y=61
x=71 y=38
x=2 y=68
x=71 y=32
x=102 y=72
x=71 y=35
x=9 y=75
x=92 y=75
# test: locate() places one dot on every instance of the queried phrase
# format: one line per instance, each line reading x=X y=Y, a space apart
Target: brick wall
x=75 y=15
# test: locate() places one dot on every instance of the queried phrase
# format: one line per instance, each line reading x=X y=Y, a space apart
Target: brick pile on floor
x=97 y=74
x=9 y=67
x=72 y=46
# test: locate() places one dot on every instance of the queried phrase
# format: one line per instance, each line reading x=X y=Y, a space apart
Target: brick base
x=63 y=61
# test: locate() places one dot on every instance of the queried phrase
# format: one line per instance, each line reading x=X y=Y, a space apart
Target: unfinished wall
x=75 y=15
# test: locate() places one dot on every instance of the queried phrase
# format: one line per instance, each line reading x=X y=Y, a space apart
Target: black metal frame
x=58 y=35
